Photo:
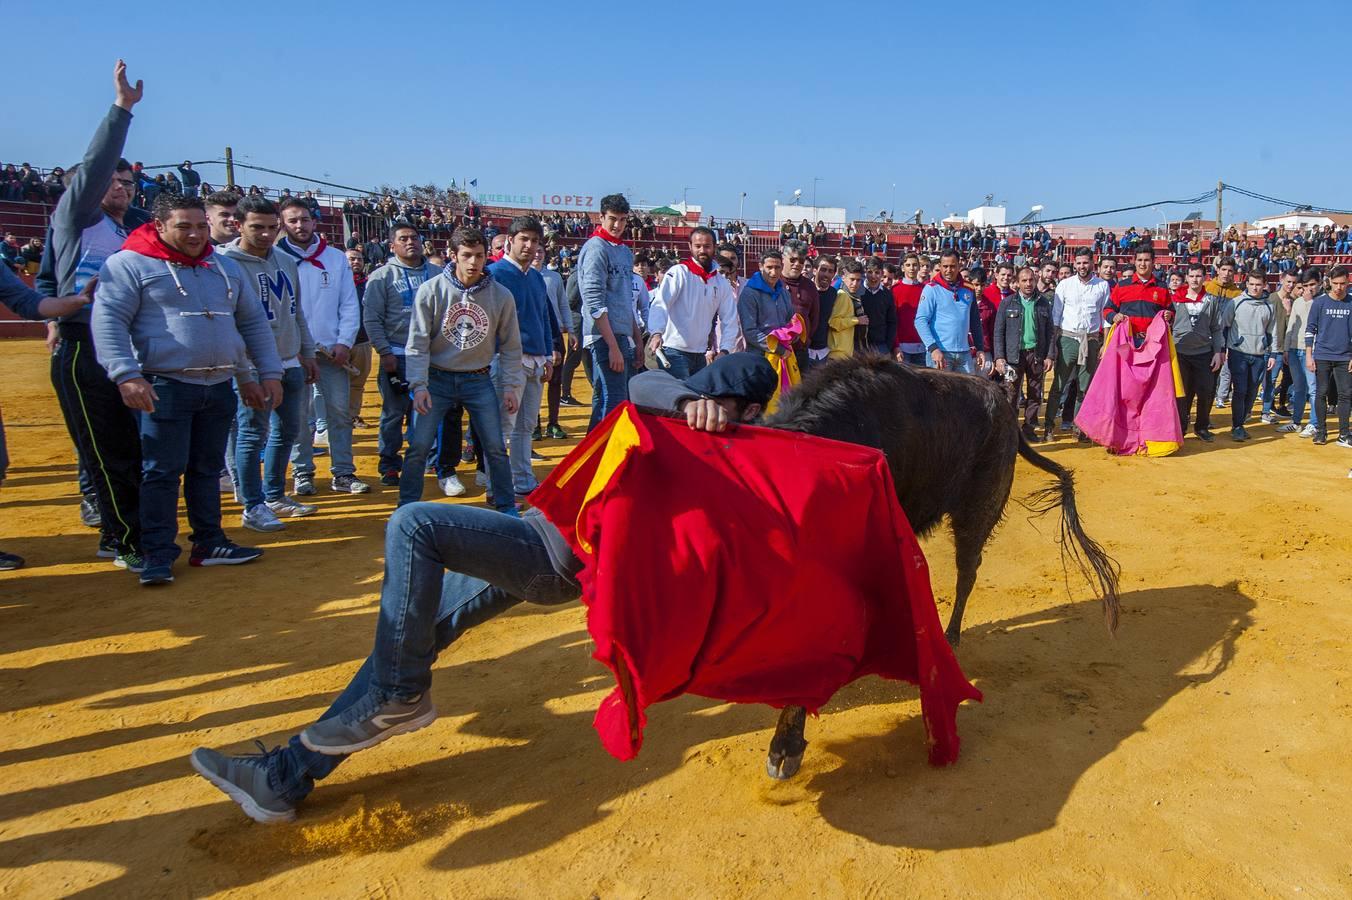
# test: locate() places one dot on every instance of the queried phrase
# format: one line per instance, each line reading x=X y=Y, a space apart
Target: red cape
x=757 y=566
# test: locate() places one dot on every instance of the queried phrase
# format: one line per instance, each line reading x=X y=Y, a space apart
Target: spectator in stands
x=53 y=186
x=11 y=187
x=191 y=181
x=30 y=183
x=10 y=252
x=171 y=183
x=313 y=204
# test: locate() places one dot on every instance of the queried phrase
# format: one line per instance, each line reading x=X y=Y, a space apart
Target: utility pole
x=815 y=179
x=1220 y=191
x=741 y=205
x=229 y=169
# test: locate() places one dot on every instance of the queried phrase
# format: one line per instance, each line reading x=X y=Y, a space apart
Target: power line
x=1190 y=201
x=240 y=165
x=1288 y=203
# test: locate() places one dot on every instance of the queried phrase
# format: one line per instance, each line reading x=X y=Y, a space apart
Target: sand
x=1203 y=752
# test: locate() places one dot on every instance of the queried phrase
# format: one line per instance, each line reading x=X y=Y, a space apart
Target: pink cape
x=1131 y=406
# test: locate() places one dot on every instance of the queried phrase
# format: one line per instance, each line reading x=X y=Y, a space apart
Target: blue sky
x=1078 y=107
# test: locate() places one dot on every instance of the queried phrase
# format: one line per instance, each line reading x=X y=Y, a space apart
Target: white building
x=1298 y=220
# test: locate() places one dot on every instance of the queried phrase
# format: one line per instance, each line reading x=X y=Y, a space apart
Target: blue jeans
x=184 y=438
x=520 y=424
x=955 y=362
x=1270 y=377
x=395 y=410
x=495 y=562
x=920 y=360
x=474 y=391
x=609 y=389
x=1302 y=385
x=683 y=364
x=1246 y=374
x=269 y=435
x=335 y=387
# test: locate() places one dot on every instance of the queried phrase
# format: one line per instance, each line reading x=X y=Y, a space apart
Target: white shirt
x=1078 y=305
x=684 y=307
x=328 y=296
x=641 y=302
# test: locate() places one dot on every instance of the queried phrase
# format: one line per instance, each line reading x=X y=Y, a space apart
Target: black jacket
x=881 y=310
x=1009 y=327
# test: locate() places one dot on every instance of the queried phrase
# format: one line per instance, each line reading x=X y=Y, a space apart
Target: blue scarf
x=479 y=285
x=757 y=282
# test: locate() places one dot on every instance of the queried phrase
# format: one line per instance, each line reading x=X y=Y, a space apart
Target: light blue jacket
x=947 y=320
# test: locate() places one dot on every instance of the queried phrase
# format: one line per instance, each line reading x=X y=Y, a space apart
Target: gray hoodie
x=1198 y=326
x=275 y=284
x=388 y=303
x=1251 y=326
x=458 y=329
x=192 y=324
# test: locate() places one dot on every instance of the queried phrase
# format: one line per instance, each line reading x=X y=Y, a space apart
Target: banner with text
x=540 y=200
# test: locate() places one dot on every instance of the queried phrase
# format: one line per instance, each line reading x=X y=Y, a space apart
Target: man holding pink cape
x=1131 y=406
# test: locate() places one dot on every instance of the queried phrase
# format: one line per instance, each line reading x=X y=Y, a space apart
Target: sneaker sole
x=408 y=727
x=135 y=570
x=288 y=514
x=365 y=490
x=243 y=799
x=280 y=526
x=215 y=561
x=154 y=582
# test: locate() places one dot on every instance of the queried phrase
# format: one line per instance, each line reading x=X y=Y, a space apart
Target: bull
x=950 y=441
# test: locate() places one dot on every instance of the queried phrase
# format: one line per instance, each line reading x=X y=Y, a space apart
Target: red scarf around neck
x=697 y=269
x=313 y=258
x=146 y=241
x=607 y=236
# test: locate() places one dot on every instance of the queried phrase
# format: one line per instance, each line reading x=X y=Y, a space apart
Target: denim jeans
x=517 y=426
x=474 y=391
x=1270 y=377
x=335 y=388
x=920 y=360
x=609 y=389
x=955 y=362
x=184 y=438
x=269 y=435
x=1302 y=385
x=1246 y=374
x=1224 y=386
x=683 y=364
x=395 y=410
x=494 y=563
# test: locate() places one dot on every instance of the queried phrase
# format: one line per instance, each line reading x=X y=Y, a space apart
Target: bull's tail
x=1096 y=565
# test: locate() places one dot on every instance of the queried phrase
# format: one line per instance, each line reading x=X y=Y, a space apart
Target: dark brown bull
x=950 y=441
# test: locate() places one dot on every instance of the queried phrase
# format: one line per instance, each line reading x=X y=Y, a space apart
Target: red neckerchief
x=697 y=269
x=606 y=236
x=313 y=258
x=147 y=242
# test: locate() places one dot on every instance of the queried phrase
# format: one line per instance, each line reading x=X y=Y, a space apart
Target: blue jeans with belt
x=271 y=434
x=448 y=567
x=683 y=364
x=473 y=391
x=184 y=438
x=609 y=389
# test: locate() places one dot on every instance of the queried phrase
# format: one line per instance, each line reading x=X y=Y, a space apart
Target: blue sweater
x=534 y=312
x=947 y=320
x=1329 y=331
x=19 y=297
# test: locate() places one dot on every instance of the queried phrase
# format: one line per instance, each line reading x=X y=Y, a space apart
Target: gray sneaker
x=304 y=485
x=349 y=484
x=244 y=779
x=367 y=722
x=261 y=518
x=289 y=507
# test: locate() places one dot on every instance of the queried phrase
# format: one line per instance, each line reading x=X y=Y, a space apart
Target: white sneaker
x=1307 y=431
x=321 y=439
x=451 y=486
x=291 y=508
x=1288 y=428
x=261 y=518
x=1268 y=418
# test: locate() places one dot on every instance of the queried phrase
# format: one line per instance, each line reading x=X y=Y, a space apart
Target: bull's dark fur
x=950 y=441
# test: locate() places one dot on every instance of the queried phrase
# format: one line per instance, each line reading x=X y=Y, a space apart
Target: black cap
x=747 y=376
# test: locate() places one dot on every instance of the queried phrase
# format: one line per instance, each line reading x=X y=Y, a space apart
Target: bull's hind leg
x=787 y=746
x=970 y=534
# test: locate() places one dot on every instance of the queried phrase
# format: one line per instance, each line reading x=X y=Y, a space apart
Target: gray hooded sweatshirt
x=192 y=324
x=1252 y=326
x=274 y=283
x=1198 y=326
x=459 y=329
x=388 y=303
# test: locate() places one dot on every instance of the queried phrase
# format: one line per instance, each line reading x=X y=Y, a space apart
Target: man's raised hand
x=127 y=96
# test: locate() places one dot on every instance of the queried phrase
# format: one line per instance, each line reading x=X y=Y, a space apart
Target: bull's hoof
x=781 y=767
x=953 y=635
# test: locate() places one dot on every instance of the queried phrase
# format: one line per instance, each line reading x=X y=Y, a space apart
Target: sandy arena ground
x=1203 y=753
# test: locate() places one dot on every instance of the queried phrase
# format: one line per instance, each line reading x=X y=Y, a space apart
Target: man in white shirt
x=690 y=298
x=1077 y=317
x=328 y=299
